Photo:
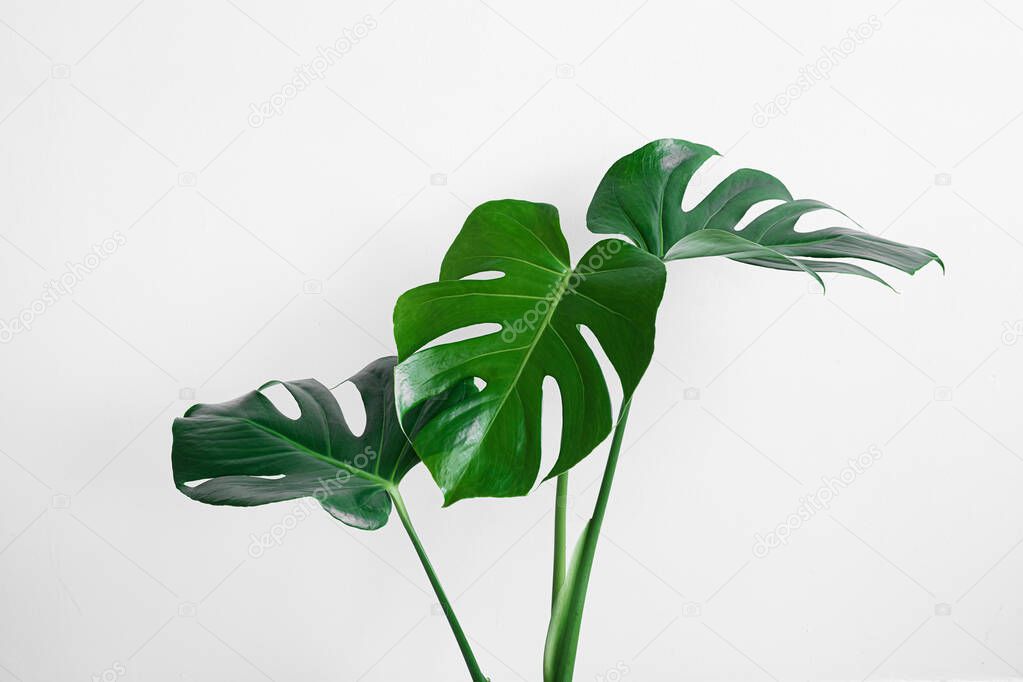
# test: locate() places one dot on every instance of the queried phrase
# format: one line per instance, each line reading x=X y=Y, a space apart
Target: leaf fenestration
x=641 y=195
x=245 y=452
x=489 y=445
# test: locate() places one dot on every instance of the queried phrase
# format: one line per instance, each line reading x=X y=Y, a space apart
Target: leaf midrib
x=355 y=471
x=513 y=384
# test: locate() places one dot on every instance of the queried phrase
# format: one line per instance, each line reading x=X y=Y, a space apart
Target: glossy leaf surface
x=489 y=445
x=246 y=452
x=641 y=197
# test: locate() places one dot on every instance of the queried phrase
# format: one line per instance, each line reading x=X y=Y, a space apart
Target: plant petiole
x=456 y=628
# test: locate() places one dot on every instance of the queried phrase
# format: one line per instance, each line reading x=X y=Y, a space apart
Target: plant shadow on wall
x=470 y=410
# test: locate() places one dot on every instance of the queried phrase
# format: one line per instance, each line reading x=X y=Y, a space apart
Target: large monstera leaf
x=245 y=452
x=489 y=444
x=641 y=197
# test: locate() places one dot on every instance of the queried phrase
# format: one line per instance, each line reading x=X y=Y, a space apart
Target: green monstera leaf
x=489 y=444
x=245 y=452
x=640 y=196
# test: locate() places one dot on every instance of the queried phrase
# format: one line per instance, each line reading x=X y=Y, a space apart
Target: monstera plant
x=470 y=409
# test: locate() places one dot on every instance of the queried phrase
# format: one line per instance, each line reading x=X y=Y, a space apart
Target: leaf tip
x=820 y=280
x=931 y=257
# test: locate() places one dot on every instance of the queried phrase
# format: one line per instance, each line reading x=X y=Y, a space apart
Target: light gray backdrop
x=212 y=226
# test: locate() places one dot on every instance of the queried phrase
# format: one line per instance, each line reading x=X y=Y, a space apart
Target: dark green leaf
x=245 y=452
x=641 y=197
x=814 y=265
x=489 y=445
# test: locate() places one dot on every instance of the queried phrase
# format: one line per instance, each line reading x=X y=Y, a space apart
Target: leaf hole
x=479 y=383
x=484 y=275
x=706 y=178
x=614 y=384
x=757 y=210
x=463 y=333
x=354 y=410
x=197 y=482
x=818 y=220
x=283 y=401
x=550 y=424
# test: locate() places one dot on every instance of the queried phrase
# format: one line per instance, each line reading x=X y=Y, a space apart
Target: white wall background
x=277 y=251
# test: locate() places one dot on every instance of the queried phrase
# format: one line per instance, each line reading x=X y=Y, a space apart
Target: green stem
x=560 y=517
x=463 y=643
x=593 y=531
x=563 y=637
